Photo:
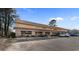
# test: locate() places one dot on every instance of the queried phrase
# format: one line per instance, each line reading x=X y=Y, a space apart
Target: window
x=26 y=32
x=47 y=33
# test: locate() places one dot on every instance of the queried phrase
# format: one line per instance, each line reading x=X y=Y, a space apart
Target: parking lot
x=54 y=44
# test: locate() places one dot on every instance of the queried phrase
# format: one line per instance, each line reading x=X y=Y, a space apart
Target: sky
x=66 y=17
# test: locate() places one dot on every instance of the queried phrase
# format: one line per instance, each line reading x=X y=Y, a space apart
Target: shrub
x=12 y=35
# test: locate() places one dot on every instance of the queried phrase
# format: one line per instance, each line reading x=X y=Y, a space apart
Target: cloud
x=75 y=18
x=57 y=19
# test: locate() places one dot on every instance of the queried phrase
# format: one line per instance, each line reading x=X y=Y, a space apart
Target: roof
x=38 y=24
x=31 y=23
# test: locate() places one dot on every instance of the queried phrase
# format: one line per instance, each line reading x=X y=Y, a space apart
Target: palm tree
x=8 y=16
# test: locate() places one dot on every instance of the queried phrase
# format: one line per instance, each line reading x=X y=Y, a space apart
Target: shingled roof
x=31 y=23
x=38 y=24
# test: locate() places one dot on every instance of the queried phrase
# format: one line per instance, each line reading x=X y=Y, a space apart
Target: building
x=26 y=28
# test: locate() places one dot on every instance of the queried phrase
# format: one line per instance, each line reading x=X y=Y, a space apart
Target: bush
x=32 y=35
x=12 y=35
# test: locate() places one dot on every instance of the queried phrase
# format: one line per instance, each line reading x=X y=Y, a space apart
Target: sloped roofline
x=32 y=23
x=37 y=24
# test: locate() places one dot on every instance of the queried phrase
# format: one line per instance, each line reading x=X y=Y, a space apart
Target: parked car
x=64 y=35
x=74 y=34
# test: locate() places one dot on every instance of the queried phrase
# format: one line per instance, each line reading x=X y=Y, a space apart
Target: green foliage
x=52 y=23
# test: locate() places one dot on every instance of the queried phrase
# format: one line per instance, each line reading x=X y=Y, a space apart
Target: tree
x=52 y=22
x=8 y=17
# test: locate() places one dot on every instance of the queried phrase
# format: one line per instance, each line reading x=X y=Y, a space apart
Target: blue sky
x=66 y=17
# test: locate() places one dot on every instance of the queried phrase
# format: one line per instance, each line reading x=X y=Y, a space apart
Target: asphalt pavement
x=55 y=44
